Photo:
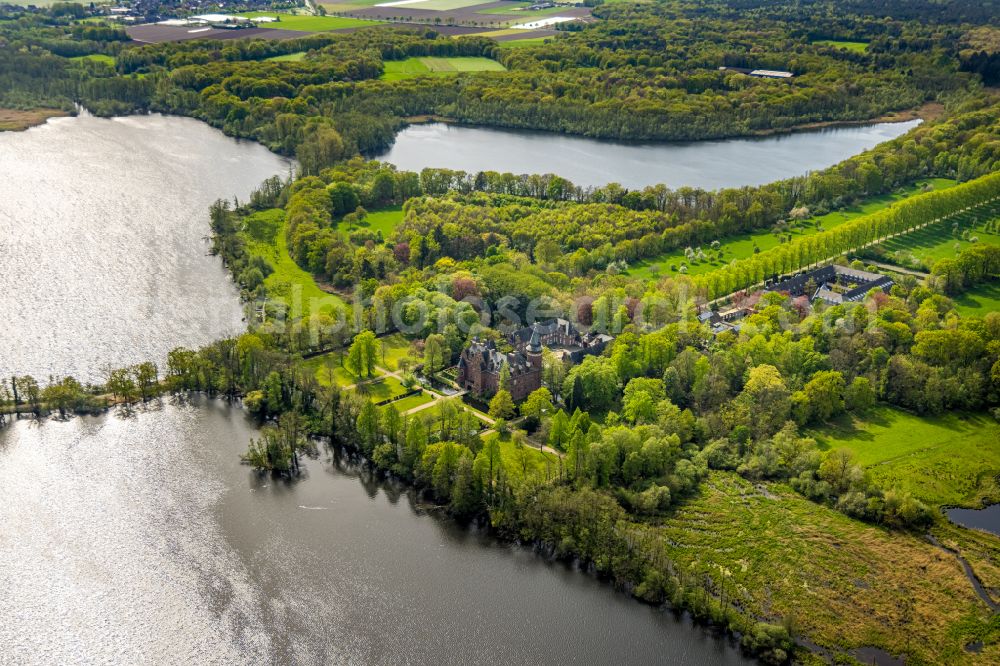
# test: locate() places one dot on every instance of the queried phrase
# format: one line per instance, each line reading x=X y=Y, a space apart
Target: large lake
x=102 y=240
x=142 y=539
x=589 y=162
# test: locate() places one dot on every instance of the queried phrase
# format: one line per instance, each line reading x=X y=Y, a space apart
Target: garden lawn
x=309 y=23
x=534 y=465
x=854 y=47
x=264 y=232
x=979 y=301
x=409 y=402
x=946 y=460
x=382 y=389
x=327 y=369
x=742 y=246
x=842 y=584
x=401 y=69
x=395 y=348
x=384 y=220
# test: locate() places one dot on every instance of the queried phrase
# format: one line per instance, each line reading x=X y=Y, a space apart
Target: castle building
x=481 y=363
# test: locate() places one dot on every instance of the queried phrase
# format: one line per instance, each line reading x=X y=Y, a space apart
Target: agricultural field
x=742 y=245
x=949 y=460
x=309 y=23
x=842 y=584
x=521 y=43
x=404 y=69
x=264 y=233
x=522 y=11
x=946 y=240
x=854 y=47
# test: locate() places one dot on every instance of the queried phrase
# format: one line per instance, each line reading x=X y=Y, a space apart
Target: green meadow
x=979 y=301
x=264 y=233
x=291 y=57
x=945 y=240
x=742 y=246
x=854 y=47
x=402 y=69
x=946 y=460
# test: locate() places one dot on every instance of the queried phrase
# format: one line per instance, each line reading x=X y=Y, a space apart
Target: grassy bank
x=296 y=289
x=844 y=584
x=16 y=120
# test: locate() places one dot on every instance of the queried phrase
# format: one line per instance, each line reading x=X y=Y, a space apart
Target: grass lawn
x=309 y=23
x=384 y=220
x=264 y=232
x=409 y=402
x=741 y=246
x=855 y=47
x=942 y=241
x=402 y=69
x=395 y=348
x=844 y=584
x=382 y=389
x=97 y=57
x=291 y=57
x=979 y=301
x=327 y=369
x=945 y=460
x=532 y=465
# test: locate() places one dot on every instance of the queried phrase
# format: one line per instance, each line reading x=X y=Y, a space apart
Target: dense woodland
x=640 y=427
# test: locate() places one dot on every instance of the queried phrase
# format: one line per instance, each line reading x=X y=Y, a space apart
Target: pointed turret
x=535 y=344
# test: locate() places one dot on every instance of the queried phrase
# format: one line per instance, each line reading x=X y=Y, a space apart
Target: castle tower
x=534 y=349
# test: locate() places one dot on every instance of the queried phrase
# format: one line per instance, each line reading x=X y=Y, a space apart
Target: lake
x=102 y=240
x=591 y=162
x=987 y=519
x=141 y=538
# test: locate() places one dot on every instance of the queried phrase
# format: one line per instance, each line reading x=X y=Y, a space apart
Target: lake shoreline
x=926 y=112
x=19 y=120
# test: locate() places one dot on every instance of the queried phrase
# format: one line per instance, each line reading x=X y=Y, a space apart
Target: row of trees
x=904 y=216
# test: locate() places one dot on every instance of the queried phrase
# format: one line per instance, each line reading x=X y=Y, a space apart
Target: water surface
x=102 y=240
x=141 y=539
x=590 y=162
x=987 y=519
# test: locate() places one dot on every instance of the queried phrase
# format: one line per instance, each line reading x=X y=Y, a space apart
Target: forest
x=603 y=460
